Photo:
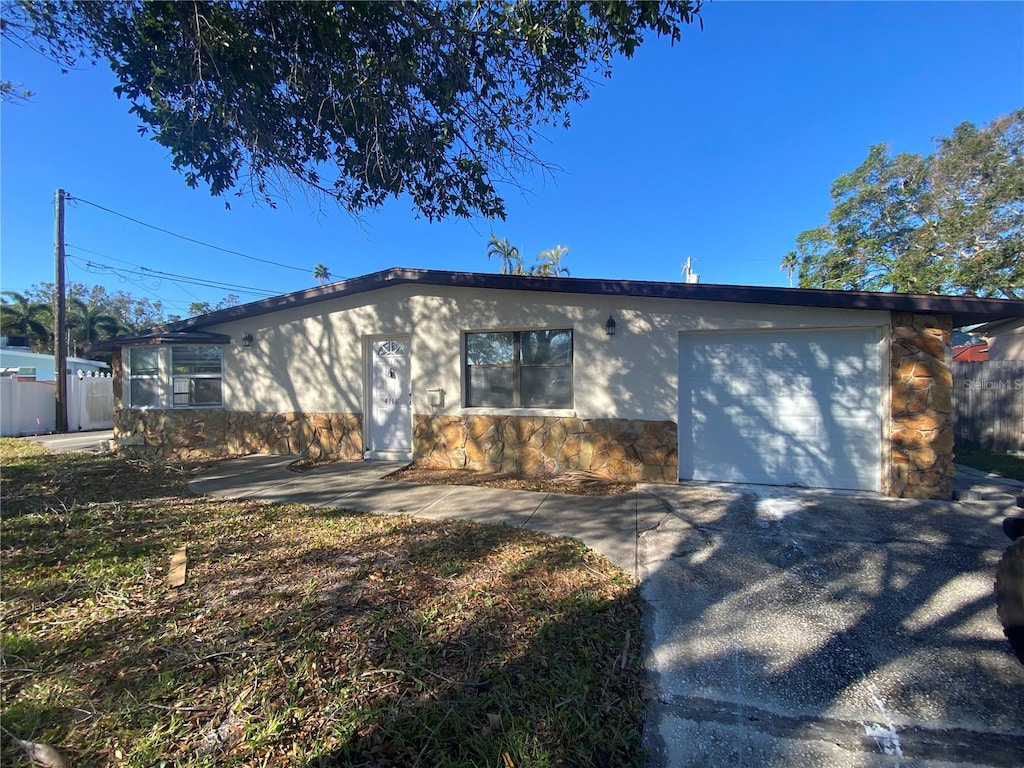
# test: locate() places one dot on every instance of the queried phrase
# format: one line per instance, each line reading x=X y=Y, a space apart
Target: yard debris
x=223 y=737
x=39 y=754
x=574 y=483
x=306 y=637
x=179 y=562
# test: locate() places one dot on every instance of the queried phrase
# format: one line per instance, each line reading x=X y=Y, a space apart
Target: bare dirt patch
x=572 y=483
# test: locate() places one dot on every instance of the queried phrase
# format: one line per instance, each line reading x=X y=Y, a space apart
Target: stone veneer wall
x=621 y=449
x=921 y=426
x=213 y=433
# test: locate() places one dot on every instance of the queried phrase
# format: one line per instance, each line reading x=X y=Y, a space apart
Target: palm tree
x=511 y=261
x=321 y=273
x=89 y=323
x=21 y=316
x=789 y=264
x=549 y=263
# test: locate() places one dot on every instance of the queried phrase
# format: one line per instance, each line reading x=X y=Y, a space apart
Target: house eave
x=963 y=310
x=159 y=336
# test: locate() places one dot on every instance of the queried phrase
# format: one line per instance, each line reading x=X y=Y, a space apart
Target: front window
x=180 y=376
x=195 y=375
x=519 y=369
x=144 y=377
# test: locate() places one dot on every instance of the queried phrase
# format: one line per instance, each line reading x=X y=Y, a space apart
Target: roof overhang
x=161 y=336
x=963 y=310
x=1005 y=325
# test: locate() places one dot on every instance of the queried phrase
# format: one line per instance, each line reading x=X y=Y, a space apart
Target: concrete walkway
x=610 y=525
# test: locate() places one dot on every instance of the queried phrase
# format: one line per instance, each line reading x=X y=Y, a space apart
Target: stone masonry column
x=921 y=425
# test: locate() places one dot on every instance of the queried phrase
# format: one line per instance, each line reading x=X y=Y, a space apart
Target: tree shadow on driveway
x=814 y=628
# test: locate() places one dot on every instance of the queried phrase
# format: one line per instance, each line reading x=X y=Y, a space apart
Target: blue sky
x=721 y=149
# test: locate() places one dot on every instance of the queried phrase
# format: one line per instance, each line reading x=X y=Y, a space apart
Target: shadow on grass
x=304 y=635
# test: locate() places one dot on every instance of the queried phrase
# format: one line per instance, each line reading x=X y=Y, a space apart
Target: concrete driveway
x=95 y=441
x=808 y=628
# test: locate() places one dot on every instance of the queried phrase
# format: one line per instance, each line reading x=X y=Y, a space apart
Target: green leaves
x=547 y=263
x=951 y=222
x=358 y=102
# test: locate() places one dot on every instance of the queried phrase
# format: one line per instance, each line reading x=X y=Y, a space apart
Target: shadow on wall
x=770 y=411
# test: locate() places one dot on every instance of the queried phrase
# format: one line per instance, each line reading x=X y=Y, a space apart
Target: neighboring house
x=43 y=366
x=28 y=392
x=1005 y=338
x=633 y=380
x=970 y=353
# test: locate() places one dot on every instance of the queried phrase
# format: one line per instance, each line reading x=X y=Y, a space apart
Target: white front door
x=390 y=429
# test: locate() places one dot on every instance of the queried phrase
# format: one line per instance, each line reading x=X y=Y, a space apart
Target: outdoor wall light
x=246 y=339
x=609 y=327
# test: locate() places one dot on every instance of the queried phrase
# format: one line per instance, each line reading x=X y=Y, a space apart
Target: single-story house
x=634 y=380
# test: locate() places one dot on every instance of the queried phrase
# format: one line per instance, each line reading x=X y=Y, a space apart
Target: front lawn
x=303 y=636
x=987 y=461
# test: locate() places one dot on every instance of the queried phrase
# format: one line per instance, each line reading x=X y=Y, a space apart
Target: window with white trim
x=519 y=369
x=177 y=376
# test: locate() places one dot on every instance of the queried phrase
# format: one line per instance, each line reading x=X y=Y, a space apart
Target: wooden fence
x=988 y=404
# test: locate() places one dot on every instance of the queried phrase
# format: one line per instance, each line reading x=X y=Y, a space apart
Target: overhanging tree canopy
x=358 y=101
x=951 y=222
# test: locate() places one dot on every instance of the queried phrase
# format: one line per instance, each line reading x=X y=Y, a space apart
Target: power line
x=89 y=266
x=143 y=273
x=183 y=237
x=126 y=277
x=208 y=283
x=174 y=277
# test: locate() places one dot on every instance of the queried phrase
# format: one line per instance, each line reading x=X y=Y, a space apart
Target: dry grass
x=303 y=636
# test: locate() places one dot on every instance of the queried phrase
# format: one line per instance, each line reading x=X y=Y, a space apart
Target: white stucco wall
x=311 y=358
x=1008 y=343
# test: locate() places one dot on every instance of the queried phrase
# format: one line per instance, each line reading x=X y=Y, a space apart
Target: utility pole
x=60 y=339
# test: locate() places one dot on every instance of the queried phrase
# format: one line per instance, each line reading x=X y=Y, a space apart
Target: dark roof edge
x=159 y=336
x=996 y=325
x=965 y=310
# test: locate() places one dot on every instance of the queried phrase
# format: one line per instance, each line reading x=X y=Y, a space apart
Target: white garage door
x=782 y=407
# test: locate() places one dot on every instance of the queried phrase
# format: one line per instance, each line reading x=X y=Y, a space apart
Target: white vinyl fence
x=29 y=407
x=90 y=401
x=26 y=407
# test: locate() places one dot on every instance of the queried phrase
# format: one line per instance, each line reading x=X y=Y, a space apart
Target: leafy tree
x=359 y=102
x=90 y=323
x=511 y=260
x=951 y=222
x=13 y=92
x=789 y=264
x=321 y=273
x=22 y=315
x=132 y=313
x=204 y=307
x=547 y=264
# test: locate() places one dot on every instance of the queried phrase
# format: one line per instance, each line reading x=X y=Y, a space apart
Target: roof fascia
x=964 y=310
